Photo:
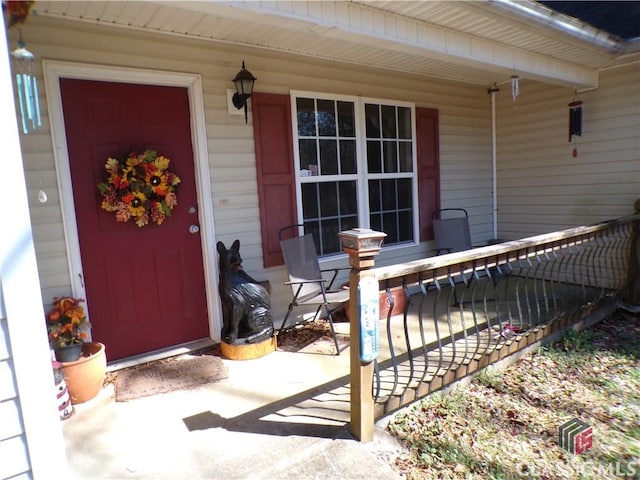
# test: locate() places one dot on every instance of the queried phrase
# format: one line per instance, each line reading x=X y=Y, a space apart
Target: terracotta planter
x=399 y=299
x=85 y=376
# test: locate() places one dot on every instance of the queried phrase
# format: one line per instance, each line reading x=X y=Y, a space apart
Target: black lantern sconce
x=244 y=88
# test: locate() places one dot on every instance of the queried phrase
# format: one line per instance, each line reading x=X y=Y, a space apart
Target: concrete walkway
x=282 y=416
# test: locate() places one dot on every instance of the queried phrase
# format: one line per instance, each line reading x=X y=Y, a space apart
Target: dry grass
x=504 y=424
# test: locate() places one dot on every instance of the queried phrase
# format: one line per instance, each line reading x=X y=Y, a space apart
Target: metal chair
x=451 y=233
x=306 y=280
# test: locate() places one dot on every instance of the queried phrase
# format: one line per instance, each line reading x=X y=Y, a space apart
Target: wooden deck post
x=632 y=294
x=361 y=245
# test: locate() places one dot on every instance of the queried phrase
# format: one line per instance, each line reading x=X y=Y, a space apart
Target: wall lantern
x=244 y=88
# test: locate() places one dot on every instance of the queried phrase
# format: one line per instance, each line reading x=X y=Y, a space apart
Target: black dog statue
x=246 y=307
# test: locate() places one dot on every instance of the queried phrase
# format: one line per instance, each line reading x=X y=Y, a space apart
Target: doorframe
x=53 y=72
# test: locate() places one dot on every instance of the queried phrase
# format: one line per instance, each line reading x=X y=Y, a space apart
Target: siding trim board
x=53 y=71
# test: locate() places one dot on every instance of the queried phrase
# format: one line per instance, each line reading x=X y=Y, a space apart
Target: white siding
x=541 y=187
x=464 y=133
x=13 y=444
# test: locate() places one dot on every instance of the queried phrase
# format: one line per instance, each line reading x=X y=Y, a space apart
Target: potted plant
x=64 y=326
x=83 y=362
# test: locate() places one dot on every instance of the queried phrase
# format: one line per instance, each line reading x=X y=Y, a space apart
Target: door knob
x=194 y=229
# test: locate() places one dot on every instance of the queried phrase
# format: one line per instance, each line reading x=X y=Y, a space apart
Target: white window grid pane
x=403 y=166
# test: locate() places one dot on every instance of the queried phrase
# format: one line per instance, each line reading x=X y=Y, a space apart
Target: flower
x=64 y=321
x=141 y=188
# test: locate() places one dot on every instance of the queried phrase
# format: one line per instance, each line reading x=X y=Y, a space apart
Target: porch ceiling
x=475 y=42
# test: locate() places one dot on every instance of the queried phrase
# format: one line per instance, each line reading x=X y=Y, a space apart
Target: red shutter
x=274 y=167
x=428 y=151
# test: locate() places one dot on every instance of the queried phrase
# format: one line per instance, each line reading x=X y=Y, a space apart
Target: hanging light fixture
x=243 y=81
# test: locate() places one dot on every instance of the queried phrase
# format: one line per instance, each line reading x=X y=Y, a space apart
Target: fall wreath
x=141 y=188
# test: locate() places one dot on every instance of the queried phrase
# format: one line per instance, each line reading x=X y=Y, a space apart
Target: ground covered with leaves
x=504 y=424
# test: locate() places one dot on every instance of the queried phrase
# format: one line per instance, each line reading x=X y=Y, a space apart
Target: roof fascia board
x=369 y=26
x=529 y=11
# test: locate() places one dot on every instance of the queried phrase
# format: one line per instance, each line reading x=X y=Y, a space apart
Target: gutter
x=531 y=11
x=633 y=46
x=494 y=170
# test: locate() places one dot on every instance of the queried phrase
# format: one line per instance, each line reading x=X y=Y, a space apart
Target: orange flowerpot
x=85 y=376
x=399 y=303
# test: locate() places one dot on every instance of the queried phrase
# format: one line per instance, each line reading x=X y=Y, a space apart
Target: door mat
x=185 y=371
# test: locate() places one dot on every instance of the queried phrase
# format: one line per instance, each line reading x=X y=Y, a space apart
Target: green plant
x=577 y=340
x=491 y=378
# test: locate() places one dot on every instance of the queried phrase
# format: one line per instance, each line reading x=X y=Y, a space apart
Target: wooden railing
x=446 y=317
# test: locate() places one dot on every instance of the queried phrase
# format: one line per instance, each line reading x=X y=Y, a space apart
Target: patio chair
x=452 y=234
x=308 y=286
x=451 y=231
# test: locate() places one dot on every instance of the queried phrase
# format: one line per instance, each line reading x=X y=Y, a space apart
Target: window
x=355 y=166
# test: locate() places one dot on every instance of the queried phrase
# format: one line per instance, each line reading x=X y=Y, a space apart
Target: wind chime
x=23 y=63
x=575 y=123
x=515 y=87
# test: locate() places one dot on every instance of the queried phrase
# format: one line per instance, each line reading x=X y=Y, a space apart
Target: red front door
x=144 y=285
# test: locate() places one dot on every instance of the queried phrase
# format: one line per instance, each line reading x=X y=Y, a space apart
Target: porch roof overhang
x=477 y=42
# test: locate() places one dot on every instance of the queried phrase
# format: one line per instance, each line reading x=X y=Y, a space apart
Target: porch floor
x=284 y=415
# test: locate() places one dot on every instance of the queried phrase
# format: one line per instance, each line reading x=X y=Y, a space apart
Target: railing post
x=361 y=245
x=632 y=296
